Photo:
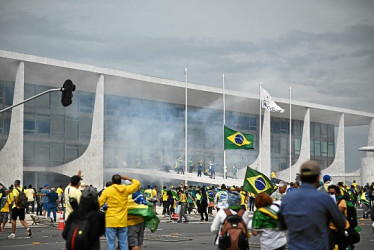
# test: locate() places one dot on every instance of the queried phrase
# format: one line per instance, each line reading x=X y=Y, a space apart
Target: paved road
x=182 y=236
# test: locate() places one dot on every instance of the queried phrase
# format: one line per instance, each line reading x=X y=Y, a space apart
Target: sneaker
x=12 y=236
x=29 y=233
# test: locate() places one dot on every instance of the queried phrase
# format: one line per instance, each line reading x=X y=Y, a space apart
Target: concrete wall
x=367 y=162
x=337 y=168
x=304 y=152
x=265 y=165
x=11 y=156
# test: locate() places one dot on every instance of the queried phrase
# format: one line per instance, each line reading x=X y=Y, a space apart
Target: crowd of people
x=313 y=214
x=208 y=170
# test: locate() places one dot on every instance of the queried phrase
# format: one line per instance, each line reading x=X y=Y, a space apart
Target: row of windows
x=147 y=126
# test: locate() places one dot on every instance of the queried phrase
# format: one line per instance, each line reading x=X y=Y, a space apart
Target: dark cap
x=310 y=168
x=75 y=179
x=89 y=192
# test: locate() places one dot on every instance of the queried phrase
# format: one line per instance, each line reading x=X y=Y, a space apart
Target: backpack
x=22 y=201
x=233 y=234
x=3 y=201
x=351 y=214
x=77 y=238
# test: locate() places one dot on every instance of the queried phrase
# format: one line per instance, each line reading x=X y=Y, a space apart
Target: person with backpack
x=85 y=224
x=338 y=237
x=265 y=223
x=231 y=225
x=18 y=209
x=6 y=201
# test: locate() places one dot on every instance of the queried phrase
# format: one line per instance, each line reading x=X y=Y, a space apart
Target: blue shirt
x=52 y=198
x=44 y=198
x=306 y=214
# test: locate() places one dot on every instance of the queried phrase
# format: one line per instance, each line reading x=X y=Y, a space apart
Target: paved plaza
x=182 y=236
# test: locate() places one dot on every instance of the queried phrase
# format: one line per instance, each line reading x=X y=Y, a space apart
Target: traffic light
x=67 y=93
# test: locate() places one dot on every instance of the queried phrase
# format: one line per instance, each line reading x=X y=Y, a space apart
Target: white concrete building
x=130 y=123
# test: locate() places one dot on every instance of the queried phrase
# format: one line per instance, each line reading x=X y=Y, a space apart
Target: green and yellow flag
x=256 y=182
x=236 y=140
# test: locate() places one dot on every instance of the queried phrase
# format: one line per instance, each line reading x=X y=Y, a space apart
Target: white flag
x=268 y=103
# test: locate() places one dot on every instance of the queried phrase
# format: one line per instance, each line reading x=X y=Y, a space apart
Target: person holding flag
x=256 y=182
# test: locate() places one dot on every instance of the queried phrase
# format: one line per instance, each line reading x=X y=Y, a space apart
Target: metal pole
x=260 y=129
x=186 y=129
x=31 y=98
x=224 y=123
x=290 y=149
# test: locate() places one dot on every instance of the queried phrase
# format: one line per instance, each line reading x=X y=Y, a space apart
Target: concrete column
x=91 y=161
x=304 y=151
x=367 y=162
x=265 y=150
x=11 y=156
x=337 y=168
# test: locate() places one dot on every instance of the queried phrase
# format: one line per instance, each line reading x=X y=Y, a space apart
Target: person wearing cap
x=234 y=207
x=72 y=195
x=44 y=192
x=116 y=196
x=53 y=202
x=306 y=212
x=327 y=181
x=88 y=209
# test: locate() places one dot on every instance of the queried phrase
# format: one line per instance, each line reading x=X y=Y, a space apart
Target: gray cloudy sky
x=324 y=49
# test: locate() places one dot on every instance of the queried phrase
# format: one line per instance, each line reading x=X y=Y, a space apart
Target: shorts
x=45 y=206
x=3 y=217
x=136 y=234
x=18 y=212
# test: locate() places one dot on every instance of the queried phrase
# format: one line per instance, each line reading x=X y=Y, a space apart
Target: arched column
x=11 y=156
x=91 y=161
x=304 y=151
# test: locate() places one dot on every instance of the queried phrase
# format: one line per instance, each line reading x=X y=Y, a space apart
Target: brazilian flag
x=256 y=182
x=236 y=140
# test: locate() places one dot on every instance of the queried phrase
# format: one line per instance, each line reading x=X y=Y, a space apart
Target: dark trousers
x=203 y=211
x=338 y=238
x=39 y=208
x=199 y=173
x=32 y=204
x=165 y=209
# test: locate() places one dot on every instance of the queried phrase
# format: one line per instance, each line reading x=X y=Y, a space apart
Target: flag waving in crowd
x=256 y=182
x=236 y=140
x=268 y=103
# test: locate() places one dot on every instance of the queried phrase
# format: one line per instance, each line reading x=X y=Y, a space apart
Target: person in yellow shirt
x=337 y=237
x=30 y=193
x=273 y=177
x=72 y=195
x=60 y=193
x=116 y=196
x=4 y=212
x=183 y=203
x=165 y=203
x=154 y=198
x=17 y=211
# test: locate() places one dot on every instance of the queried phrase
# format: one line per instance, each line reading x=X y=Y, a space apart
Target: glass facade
x=6 y=100
x=54 y=135
x=148 y=134
x=322 y=143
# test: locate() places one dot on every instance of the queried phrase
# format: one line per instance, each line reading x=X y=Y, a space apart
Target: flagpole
x=186 y=129
x=260 y=129
x=290 y=131
x=224 y=122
